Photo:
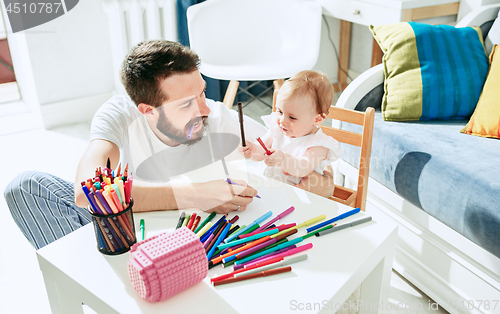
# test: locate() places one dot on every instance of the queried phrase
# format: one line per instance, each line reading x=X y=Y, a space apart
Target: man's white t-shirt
x=120 y=122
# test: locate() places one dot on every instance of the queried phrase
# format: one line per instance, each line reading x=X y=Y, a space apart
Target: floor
x=27 y=146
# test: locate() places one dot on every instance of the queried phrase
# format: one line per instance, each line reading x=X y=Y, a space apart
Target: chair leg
x=253 y=97
x=278 y=83
x=230 y=95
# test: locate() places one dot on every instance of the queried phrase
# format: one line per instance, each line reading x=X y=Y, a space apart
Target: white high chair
x=254 y=40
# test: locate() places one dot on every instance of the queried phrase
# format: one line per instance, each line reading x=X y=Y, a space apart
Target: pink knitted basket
x=166 y=264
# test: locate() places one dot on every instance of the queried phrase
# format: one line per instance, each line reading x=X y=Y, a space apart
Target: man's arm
x=210 y=196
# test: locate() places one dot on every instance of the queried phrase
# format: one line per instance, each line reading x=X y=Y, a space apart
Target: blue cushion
x=432 y=72
x=451 y=176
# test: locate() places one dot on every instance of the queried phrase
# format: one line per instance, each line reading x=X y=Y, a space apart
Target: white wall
x=360 y=52
x=468 y=5
x=327 y=62
x=362 y=42
x=65 y=65
x=71 y=56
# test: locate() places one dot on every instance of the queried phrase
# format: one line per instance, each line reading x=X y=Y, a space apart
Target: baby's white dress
x=297 y=147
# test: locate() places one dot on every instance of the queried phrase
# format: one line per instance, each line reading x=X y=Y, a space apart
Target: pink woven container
x=166 y=264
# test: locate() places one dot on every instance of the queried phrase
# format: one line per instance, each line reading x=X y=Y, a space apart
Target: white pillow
x=493 y=36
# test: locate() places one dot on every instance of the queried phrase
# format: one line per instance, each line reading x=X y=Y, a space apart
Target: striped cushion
x=485 y=121
x=431 y=72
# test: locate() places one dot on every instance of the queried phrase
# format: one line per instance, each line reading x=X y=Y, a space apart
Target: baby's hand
x=275 y=158
x=246 y=151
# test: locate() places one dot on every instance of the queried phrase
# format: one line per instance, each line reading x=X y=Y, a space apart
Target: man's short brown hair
x=314 y=84
x=149 y=63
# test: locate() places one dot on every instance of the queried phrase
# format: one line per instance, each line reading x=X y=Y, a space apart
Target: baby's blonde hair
x=314 y=84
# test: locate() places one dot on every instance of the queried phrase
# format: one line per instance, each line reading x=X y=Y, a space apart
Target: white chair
x=254 y=40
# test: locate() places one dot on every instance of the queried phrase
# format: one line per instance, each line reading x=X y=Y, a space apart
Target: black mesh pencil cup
x=115 y=233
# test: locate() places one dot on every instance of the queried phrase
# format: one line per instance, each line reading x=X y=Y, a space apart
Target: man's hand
x=319 y=184
x=221 y=197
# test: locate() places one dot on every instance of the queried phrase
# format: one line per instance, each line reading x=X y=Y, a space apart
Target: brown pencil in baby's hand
x=240 y=111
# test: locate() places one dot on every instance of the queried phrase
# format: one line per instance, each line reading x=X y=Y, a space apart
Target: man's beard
x=180 y=136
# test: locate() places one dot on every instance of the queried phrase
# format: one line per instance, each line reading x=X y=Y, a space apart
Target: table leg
x=60 y=300
x=66 y=295
x=374 y=292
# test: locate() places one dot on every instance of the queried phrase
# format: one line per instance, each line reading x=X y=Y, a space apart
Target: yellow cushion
x=485 y=120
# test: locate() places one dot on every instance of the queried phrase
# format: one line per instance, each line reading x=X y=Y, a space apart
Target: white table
x=75 y=272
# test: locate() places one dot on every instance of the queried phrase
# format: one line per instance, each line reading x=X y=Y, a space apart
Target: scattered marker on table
x=339 y=217
x=142 y=229
x=346 y=225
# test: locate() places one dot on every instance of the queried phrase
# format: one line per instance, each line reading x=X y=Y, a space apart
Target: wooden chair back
x=354 y=198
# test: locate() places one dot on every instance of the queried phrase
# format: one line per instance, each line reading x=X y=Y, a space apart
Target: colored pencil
x=270 y=222
x=284 y=262
x=217 y=233
x=186 y=220
x=265 y=273
x=245 y=247
x=280 y=228
x=276 y=248
x=248 y=239
x=343 y=226
x=268 y=152
x=209 y=218
x=339 y=217
x=231 y=274
x=257 y=221
x=310 y=234
x=285 y=254
x=195 y=223
x=181 y=220
x=191 y=221
x=204 y=229
x=304 y=224
x=219 y=240
x=215 y=225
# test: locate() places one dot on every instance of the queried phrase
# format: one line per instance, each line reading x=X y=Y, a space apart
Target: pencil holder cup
x=164 y=265
x=115 y=233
